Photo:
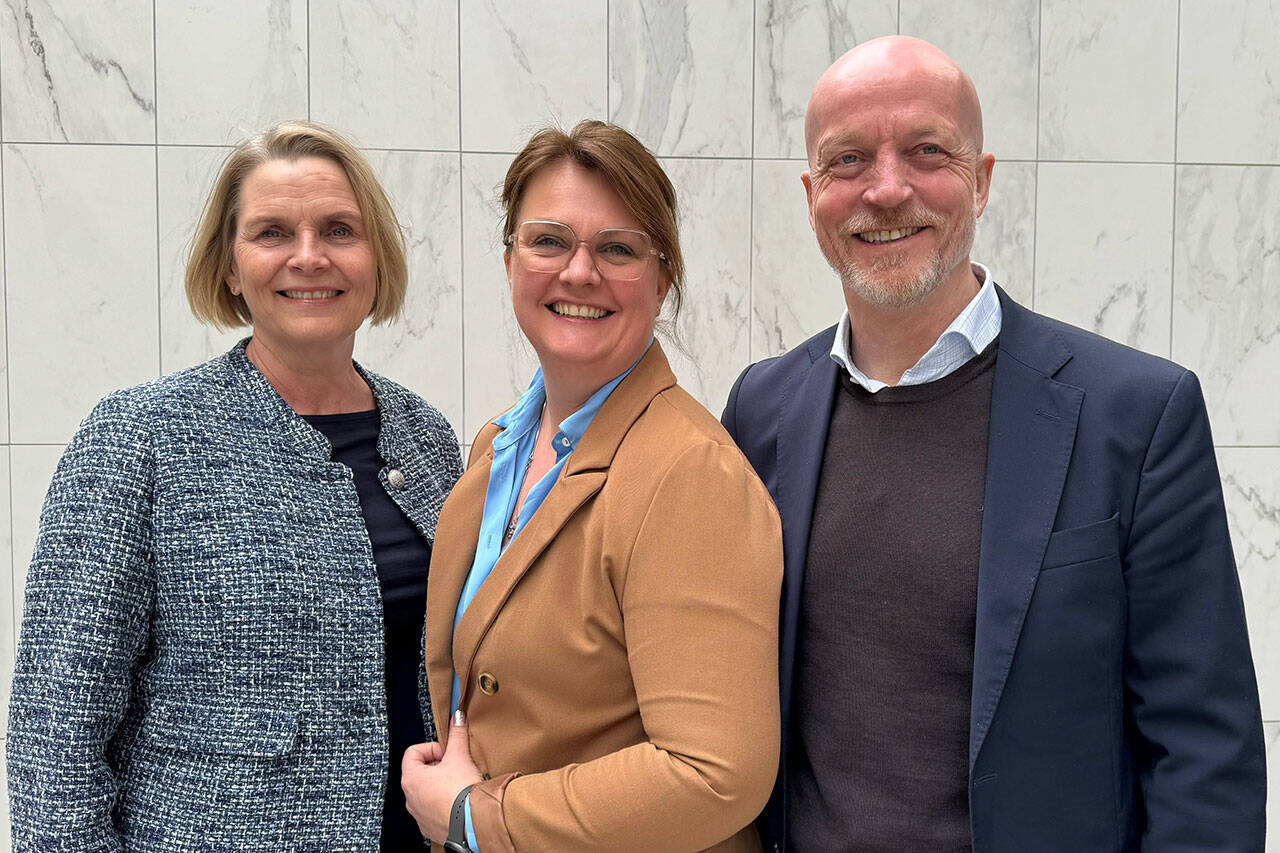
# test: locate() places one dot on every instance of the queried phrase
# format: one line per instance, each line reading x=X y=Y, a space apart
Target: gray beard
x=880 y=285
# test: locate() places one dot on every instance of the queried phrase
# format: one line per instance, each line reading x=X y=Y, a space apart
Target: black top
x=401 y=556
x=884 y=662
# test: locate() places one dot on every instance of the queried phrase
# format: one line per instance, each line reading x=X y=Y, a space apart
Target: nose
x=888 y=183
x=581 y=266
x=308 y=253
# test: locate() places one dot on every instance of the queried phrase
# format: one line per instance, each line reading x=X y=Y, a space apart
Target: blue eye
x=848 y=159
x=930 y=149
x=620 y=250
x=342 y=231
x=269 y=234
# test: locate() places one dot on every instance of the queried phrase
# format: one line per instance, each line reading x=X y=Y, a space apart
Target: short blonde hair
x=626 y=166
x=209 y=261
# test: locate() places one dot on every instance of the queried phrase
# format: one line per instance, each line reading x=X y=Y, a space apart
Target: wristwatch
x=457 y=842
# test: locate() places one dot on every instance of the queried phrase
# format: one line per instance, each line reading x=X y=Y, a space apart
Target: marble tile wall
x=1136 y=192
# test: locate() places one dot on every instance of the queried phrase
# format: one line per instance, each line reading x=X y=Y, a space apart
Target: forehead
x=310 y=180
x=582 y=199
x=889 y=102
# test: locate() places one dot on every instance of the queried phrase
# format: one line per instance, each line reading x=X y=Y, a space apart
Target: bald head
x=880 y=65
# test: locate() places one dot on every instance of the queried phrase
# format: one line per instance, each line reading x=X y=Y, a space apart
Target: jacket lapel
x=803 y=420
x=1032 y=431
x=583 y=476
x=451 y=559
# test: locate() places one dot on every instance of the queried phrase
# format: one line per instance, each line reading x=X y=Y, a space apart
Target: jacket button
x=488 y=684
x=396 y=478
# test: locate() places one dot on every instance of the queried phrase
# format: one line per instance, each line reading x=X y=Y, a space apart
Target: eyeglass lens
x=619 y=253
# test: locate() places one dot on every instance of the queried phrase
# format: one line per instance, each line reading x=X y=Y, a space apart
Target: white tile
x=1271 y=731
x=184 y=179
x=1229 y=85
x=5 y=845
x=1104 y=249
x=4 y=345
x=30 y=470
x=80 y=253
x=1251 y=486
x=8 y=616
x=1005 y=239
x=794 y=292
x=678 y=75
x=1107 y=80
x=1002 y=56
x=497 y=360
x=796 y=40
x=227 y=69
x=528 y=64
x=78 y=72
x=1226 y=325
x=423 y=349
x=386 y=71
x=715 y=237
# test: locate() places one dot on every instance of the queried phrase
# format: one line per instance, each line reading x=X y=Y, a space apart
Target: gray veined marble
x=1226 y=323
x=795 y=42
x=679 y=77
x=1251 y=486
x=529 y=64
x=1104 y=244
x=423 y=349
x=227 y=69
x=386 y=71
x=713 y=342
x=1005 y=236
x=77 y=72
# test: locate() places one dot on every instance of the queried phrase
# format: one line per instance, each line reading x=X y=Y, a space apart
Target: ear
x=233 y=280
x=807 y=180
x=982 y=187
x=506 y=264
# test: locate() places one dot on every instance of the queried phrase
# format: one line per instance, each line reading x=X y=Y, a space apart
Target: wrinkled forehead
x=916 y=97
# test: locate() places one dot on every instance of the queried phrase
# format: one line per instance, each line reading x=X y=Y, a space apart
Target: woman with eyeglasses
x=603 y=598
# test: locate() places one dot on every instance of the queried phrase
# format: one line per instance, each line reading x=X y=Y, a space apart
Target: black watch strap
x=457 y=842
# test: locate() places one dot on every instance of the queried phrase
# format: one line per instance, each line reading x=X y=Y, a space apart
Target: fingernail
x=459 y=718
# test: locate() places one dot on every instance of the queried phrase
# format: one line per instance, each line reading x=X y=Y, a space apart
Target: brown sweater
x=885 y=656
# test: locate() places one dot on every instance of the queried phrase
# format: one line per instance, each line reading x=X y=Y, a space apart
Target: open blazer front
x=201 y=665
x=1114 y=703
x=623 y=652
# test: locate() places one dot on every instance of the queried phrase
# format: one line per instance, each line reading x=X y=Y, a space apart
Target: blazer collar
x=1030 y=439
x=582 y=477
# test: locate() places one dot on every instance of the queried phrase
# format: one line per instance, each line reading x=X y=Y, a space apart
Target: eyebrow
x=345 y=213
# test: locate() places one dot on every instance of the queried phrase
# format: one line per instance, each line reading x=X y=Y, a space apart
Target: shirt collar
x=971 y=332
x=523 y=417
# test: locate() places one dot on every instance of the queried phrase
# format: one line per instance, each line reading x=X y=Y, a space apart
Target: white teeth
x=565 y=309
x=310 y=294
x=887 y=236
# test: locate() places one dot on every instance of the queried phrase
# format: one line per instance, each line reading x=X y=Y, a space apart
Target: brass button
x=488 y=684
x=395 y=479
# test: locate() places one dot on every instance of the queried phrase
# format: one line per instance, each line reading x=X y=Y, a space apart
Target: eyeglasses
x=621 y=254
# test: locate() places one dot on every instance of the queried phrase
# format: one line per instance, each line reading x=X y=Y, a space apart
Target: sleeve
x=700 y=606
x=1189 y=674
x=89 y=597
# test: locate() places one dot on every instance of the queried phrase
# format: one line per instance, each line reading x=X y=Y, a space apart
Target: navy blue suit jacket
x=1114 y=700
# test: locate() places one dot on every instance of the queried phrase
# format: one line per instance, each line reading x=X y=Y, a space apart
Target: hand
x=432 y=777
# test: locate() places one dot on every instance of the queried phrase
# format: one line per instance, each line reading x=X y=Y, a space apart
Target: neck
x=316 y=381
x=886 y=341
x=563 y=399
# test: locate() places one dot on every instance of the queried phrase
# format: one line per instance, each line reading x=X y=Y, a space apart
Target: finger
x=419 y=754
x=458 y=735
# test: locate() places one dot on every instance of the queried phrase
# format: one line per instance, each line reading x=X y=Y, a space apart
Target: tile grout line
x=155 y=158
x=751 y=198
x=462 y=255
x=1173 y=224
x=1035 y=191
x=307 y=11
x=14 y=617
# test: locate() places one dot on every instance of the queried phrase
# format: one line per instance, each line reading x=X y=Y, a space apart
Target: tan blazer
x=619 y=665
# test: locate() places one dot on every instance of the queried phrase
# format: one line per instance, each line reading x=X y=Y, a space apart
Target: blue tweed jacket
x=201 y=661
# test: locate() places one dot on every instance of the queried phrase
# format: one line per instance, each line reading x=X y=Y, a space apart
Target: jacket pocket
x=249 y=732
x=1083 y=544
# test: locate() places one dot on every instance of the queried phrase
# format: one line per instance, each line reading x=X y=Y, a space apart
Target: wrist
x=457 y=840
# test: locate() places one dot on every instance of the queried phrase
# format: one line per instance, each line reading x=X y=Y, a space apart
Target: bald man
x=1011 y=619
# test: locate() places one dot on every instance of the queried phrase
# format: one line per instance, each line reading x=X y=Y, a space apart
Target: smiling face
x=896 y=179
x=586 y=328
x=301 y=257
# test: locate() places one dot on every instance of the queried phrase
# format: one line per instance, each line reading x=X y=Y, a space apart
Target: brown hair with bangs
x=209 y=260
x=626 y=166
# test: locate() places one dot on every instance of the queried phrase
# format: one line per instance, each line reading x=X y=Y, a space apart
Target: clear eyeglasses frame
x=546 y=246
